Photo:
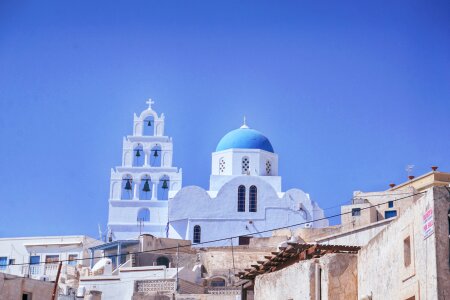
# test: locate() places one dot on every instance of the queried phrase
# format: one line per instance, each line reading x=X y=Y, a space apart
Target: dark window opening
x=162 y=261
x=217 y=282
x=356 y=212
x=241 y=198
x=244 y=240
x=390 y=214
x=391 y=204
x=197 y=234
x=407 y=251
x=253 y=198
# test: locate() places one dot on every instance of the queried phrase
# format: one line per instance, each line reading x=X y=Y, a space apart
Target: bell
x=164 y=185
x=138 y=153
x=155 y=154
x=146 y=187
x=149 y=123
x=128 y=185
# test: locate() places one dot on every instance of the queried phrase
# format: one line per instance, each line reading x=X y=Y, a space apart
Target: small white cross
x=150 y=102
x=245 y=123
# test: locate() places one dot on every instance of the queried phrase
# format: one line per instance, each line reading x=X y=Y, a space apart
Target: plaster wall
x=404 y=271
x=13 y=287
x=222 y=219
x=338 y=280
x=20 y=250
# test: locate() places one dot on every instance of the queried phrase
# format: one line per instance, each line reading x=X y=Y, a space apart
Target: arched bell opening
x=145 y=189
x=155 y=156
x=127 y=188
x=138 y=156
x=148 y=128
x=163 y=188
x=217 y=282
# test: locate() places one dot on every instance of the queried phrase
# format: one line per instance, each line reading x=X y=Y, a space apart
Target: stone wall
x=401 y=261
x=13 y=287
x=338 y=280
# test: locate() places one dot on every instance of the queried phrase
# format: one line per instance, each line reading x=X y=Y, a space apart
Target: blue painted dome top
x=244 y=138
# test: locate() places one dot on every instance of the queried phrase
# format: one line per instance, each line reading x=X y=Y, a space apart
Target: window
x=197 y=234
x=162 y=261
x=34 y=260
x=244 y=240
x=51 y=259
x=356 y=212
x=253 y=198
x=12 y=261
x=26 y=296
x=407 y=251
x=3 y=262
x=143 y=215
x=391 y=204
x=241 y=198
x=268 y=167
x=390 y=214
x=221 y=165
x=217 y=282
x=245 y=165
x=72 y=260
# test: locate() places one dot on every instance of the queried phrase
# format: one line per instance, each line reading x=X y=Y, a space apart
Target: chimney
x=391 y=185
x=411 y=177
x=434 y=168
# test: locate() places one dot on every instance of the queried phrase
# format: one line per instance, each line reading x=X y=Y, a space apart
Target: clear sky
x=348 y=92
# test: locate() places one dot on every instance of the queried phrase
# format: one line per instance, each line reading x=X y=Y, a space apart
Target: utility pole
x=55 y=288
x=178 y=257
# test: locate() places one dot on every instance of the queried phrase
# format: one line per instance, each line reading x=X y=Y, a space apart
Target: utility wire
x=226 y=238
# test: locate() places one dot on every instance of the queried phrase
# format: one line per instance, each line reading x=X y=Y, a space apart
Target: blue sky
x=348 y=92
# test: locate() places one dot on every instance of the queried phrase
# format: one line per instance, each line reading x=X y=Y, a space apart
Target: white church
x=244 y=199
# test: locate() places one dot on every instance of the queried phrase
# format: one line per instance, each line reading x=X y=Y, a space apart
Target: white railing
x=37 y=270
x=157 y=285
x=224 y=290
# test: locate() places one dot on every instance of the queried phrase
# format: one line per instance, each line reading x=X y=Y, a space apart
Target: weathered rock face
x=338 y=280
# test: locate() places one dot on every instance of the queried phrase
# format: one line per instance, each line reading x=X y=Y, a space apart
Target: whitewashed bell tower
x=141 y=186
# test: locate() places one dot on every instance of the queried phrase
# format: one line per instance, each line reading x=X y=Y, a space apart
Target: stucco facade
x=141 y=186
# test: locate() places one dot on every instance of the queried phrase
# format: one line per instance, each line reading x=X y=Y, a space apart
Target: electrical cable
x=231 y=237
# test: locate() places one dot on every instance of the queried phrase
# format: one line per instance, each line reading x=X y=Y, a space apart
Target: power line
x=226 y=238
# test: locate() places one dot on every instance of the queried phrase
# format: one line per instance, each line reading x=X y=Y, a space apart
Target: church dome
x=244 y=138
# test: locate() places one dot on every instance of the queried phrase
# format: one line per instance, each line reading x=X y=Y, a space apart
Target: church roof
x=244 y=138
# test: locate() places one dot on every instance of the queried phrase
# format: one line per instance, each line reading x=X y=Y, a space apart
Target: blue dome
x=244 y=138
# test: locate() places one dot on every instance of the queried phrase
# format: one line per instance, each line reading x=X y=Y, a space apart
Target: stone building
x=404 y=257
x=14 y=287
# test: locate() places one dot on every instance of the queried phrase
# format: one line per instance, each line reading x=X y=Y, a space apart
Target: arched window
x=245 y=165
x=197 y=234
x=138 y=156
x=163 y=188
x=253 y=198
x=148 y=127
x=127 y=188
x=145 y=189
x=241 y=198
x=143 y=215
x=162 y=261
x=155 y=156
x=222 y=165
x=268 y=167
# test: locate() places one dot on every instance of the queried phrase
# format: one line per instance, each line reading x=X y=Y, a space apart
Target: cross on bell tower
x=150 y=102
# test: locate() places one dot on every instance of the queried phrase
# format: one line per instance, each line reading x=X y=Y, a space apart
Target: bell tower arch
x=145 y=179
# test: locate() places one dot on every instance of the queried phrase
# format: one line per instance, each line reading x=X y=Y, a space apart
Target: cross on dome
x=245 y=123
x=150 y=102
